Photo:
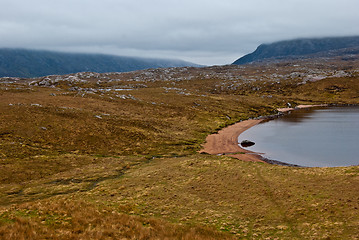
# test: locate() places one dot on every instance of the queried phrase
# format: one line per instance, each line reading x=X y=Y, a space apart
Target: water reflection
x=298 y=115
x=311 y=137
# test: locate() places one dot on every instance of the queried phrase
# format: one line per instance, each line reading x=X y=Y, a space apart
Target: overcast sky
x=210 y=32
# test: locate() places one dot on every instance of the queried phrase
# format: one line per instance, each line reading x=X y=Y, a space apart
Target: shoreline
x=225 y=142
x=284 y=110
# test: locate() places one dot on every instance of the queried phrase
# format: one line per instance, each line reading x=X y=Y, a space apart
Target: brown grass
x=250 y=200
x=124 y=164
x=69 y=219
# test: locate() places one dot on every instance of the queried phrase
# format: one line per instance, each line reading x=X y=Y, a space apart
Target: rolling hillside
x=32 y=63
x=300 y=48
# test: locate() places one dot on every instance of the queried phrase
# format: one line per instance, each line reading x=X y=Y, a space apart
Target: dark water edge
x=313 y=137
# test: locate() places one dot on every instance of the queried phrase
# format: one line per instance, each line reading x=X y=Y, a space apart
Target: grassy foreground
x=101 y=156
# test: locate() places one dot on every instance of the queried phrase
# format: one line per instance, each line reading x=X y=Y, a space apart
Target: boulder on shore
x=247 y=143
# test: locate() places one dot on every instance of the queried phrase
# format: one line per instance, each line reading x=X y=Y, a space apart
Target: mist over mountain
x=299 y=47
x=33 y=63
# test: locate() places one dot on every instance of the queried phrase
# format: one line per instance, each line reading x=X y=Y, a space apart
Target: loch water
x=313 y=137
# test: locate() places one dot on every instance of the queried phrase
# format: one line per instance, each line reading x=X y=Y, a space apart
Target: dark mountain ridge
x=298 y=47
x=34 y=63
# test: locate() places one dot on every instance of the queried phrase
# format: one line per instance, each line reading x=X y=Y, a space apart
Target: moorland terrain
x=115 y=155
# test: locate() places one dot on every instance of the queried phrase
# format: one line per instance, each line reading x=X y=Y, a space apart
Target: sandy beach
x=225 y=142
x=300 y=107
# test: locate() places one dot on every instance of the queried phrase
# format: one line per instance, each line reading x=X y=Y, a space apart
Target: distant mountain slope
x=298 y=47
x=33 y=63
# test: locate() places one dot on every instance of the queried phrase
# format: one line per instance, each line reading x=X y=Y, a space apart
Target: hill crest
x=36 y=63
x=298 y=47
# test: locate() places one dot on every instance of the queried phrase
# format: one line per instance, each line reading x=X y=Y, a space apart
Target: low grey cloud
x=205 y=32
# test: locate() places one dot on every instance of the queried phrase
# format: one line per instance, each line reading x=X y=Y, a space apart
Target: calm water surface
x=325 y=137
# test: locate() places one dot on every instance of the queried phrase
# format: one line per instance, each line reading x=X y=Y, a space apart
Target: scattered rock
x=247 y=143
x=35 y=105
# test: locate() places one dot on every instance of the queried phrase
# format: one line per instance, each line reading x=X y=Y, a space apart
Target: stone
x=247 y=143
